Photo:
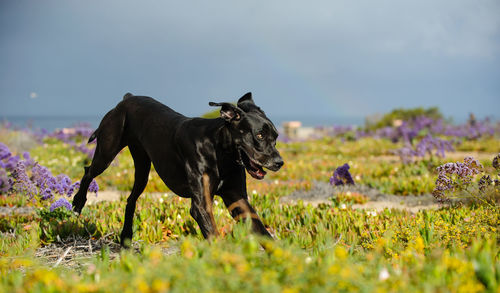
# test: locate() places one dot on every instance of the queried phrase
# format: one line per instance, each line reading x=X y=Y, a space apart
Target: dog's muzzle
x=255 y=168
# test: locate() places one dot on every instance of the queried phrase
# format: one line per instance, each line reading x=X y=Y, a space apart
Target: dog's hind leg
x=201 y=208
x=142 y=164
x=109 y=142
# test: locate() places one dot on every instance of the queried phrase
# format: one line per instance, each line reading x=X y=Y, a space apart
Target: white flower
x=161 y=200
x=308 y=260
x=371 y=213
x=343 y=206
x=276 y=182
x=254 y=191
x=383 y=275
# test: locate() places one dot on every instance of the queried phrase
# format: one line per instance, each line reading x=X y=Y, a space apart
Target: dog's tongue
x=257 y=174
x=257 y=171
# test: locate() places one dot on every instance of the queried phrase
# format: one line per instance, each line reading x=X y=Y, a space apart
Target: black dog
x=196 y=158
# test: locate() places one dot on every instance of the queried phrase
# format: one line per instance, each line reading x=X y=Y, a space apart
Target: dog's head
x=253 y=134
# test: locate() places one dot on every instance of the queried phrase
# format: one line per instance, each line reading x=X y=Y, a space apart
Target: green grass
x=323 y=248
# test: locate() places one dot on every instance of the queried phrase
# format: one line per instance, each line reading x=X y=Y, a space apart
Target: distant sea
x=51 y=123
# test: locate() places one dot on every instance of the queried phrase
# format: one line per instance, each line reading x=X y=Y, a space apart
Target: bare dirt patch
x=75 y=252
x=78 y=252
x=323 y=192
x=114 y=195
x=449 y=156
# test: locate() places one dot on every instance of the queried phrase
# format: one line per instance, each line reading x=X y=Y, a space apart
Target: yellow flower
x=159 y=286
x=187 y=249
x=333 y=269
x=419 y=245
x=289 y=290
x=278 y=253
x=340 y=253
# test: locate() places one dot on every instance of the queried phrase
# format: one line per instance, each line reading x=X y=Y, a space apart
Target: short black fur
x=196 y=158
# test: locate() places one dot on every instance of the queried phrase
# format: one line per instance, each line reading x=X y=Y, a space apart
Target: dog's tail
x=114 y=119
x=93 y=136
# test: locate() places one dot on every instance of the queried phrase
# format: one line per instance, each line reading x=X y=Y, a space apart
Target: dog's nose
x=278 y=163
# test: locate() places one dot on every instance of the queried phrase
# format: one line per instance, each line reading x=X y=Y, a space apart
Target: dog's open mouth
x=253 y=168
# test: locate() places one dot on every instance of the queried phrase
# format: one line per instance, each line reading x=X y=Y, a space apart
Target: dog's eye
x=260 y=136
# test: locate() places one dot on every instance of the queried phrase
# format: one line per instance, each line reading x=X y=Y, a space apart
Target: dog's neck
x=227 y=143
x=226 y=138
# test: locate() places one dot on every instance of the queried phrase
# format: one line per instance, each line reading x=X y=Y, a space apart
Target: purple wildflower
x=387 y=132
x=455 y=176
x=406 y=154
x=40 y=134
x=27 y=158
x=63 y=184
x=46 y=194
x=5 y=183
x=22 y=181
x=4 y=151
x=76 y=137
x=430 y=143
x=72 y=188
x=7 y=161
x=39 y=182
x=62 y=202
x=484 y=182
x=341 y=176
x=11 y=163
x=496 y=162
x=407 y=132
x=471 y=130
x=93 y=187
x=43 y=177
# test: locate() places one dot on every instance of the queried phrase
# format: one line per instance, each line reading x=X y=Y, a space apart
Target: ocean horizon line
x=53 y=122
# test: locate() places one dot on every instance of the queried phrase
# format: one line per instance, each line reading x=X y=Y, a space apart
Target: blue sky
x=299 y=58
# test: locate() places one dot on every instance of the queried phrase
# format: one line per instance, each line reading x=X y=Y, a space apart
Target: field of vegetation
x=330 y=246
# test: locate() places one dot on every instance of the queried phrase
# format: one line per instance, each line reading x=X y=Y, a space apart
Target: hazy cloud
x=334 y=57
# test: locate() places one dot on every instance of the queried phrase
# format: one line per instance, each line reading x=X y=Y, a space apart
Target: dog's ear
x=246 y=104
x=247 y=98
x=228 y=111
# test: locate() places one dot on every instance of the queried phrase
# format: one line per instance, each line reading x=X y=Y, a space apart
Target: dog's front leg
x=201 y=208
x=240 y=209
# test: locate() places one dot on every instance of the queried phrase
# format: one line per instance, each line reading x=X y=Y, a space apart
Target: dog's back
x=136 y=112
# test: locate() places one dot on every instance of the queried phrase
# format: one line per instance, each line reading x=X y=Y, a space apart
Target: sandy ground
x=77 y=252
x=106 y=195
x=110 y=195
x=322 y=192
